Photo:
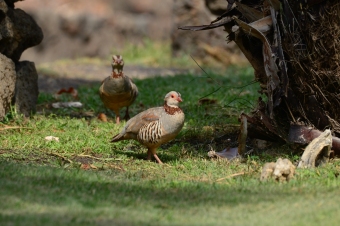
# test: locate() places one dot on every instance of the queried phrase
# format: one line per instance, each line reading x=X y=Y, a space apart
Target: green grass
x=156 y=54
x=85 y=180
x=183 y=193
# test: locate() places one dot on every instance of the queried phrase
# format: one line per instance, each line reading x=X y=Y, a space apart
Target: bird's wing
x=150 y=117
x=134 y=88
x=140 y=120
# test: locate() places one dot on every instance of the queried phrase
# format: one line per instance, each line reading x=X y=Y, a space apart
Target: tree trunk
x=294 y=48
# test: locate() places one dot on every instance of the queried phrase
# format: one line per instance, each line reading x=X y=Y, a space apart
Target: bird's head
x=117 y=64
x=173 y=99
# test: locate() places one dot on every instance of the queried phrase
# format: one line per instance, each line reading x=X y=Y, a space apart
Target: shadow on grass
x=52 y=196
x=40 y=195
x=26 y=185
x=141 y=153
x=48 y=84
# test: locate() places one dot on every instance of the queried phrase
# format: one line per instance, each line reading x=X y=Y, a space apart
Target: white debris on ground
x=67 y=104
x=52 y=138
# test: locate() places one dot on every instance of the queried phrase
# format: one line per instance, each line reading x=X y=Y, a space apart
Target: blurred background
x=144 y=32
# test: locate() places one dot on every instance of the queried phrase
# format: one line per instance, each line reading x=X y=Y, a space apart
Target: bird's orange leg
x=117 y=119
x=157 y=159
x=117 y=116
x=153 y=151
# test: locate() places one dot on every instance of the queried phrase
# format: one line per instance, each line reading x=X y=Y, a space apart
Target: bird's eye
x=172 y=96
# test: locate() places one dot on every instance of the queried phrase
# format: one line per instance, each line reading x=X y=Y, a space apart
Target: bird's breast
x=118 y=85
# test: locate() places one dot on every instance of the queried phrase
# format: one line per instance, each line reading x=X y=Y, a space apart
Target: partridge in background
x=118 y=90
x=155 y=126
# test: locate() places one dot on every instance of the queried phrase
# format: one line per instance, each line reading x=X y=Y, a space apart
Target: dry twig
x=231 y=176
x=100 y=159
x=14 y=127
x=62 y=157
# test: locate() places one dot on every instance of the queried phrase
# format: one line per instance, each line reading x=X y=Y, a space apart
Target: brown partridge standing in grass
x=155 y=126
x=118 y=90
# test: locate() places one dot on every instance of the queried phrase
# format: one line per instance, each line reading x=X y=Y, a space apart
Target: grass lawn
x=85 y=180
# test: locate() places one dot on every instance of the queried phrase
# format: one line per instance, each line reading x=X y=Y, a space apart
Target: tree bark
x=294 y=48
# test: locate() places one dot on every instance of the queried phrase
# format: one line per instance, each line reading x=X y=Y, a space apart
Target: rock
x=208 y=46
x=267 y=170
x=18 y=80
x=26 y=88
x=74 y=29
x=18 y=31
x=7 y=84
x=282 y=170
x=217 y=7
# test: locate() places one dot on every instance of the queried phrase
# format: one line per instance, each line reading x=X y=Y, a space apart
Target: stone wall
x=7 y=84
x=208 y=46
x=18 y=80
x=95 y=28
x=80 y=28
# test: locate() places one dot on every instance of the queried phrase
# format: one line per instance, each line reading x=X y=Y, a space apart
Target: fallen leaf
x=72 y=91
x=85 y=166
x=102 y=117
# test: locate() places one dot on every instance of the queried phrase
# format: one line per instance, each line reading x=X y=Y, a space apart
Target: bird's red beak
x=179 y=99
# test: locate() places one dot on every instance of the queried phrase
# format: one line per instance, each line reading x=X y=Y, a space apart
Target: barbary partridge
x=155 y=126
x=118 y=90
